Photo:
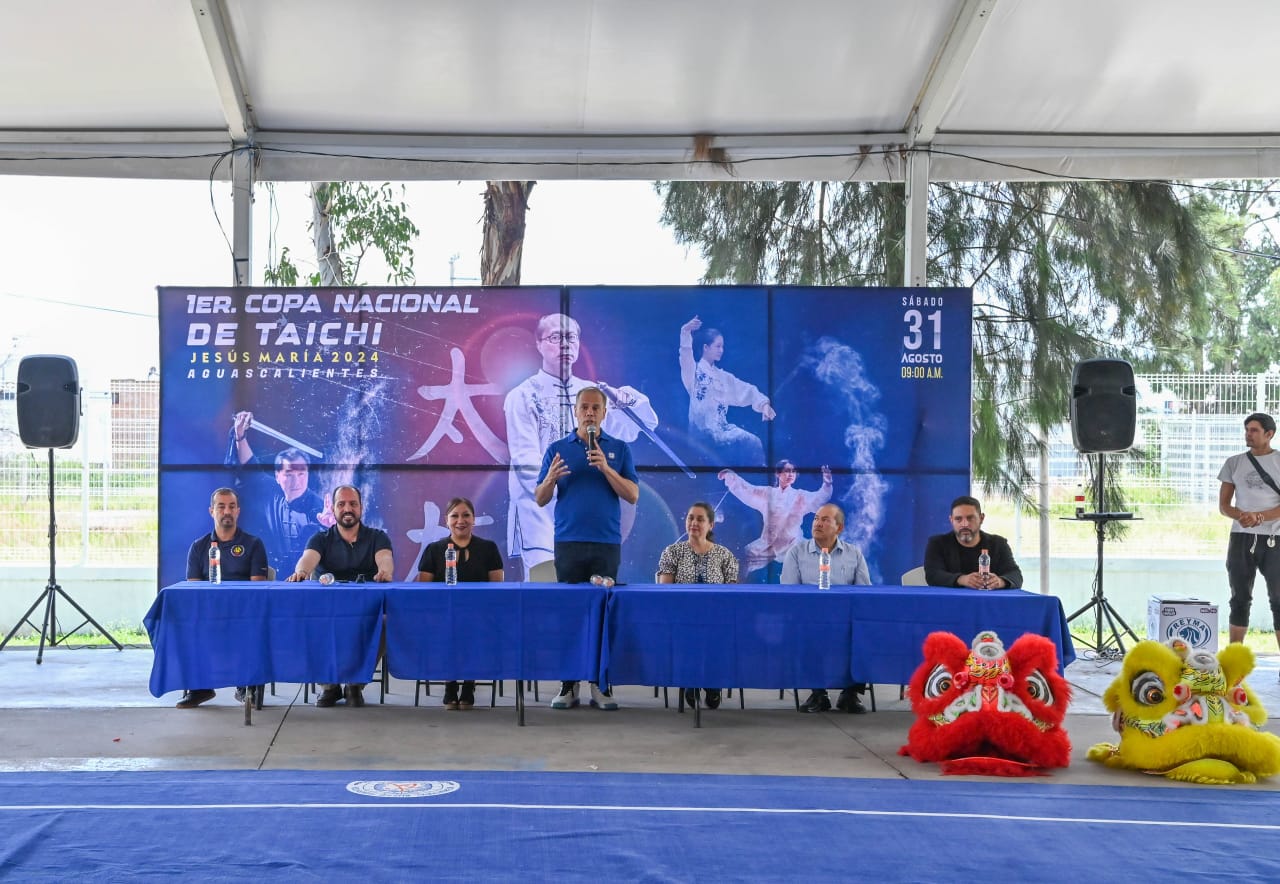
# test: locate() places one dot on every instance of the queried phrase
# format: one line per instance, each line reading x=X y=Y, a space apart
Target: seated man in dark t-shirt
x=352 y=552
x=241 y=557
x=951 y=559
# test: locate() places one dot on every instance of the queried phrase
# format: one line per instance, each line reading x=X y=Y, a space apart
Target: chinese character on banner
x=457 y=396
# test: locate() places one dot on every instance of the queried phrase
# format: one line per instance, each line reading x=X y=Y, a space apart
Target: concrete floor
x=90 y=710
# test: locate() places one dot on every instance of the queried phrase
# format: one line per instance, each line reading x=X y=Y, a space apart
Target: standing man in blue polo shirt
x=241 y=557
x=587 y=473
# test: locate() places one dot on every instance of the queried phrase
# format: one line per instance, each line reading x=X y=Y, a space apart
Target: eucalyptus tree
x=502 y=244
x=1240 y=219
x=350 y=220
x=1061 y=271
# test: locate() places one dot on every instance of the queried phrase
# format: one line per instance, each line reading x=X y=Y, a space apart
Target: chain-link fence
x=105 y=487
x=1187 y=427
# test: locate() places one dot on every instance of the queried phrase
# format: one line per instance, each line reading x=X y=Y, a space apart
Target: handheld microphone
x=592 y=429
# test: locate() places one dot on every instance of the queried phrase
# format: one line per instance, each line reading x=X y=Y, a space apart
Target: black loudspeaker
x=1104 y=405
x=48 y=402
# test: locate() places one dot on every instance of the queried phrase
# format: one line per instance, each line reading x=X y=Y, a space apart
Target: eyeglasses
x=557 y=338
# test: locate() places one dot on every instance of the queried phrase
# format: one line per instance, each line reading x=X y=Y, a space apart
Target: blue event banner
x=765 y=402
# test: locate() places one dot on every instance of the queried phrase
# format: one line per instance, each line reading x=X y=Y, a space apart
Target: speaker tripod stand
x=49 y=625
x=1102 y=609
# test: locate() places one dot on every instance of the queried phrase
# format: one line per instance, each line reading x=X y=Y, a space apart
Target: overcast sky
x=85 y=255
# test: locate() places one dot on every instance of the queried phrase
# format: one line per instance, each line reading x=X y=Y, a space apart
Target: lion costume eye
x=1147 y=689
x=1038 y=688
x=938 y=683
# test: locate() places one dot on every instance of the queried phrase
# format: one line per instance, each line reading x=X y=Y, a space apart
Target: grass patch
x=1167 y=530
x=128 y=634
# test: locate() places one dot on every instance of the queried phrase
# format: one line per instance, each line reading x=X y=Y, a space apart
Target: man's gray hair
x=223 y=490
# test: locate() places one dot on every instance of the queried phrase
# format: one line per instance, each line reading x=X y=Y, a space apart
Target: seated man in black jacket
x=951 y=559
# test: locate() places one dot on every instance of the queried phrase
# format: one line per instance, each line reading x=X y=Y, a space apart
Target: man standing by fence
x=1251 y=479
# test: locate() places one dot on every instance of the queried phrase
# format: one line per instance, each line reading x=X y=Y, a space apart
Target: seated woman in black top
x=479 y=561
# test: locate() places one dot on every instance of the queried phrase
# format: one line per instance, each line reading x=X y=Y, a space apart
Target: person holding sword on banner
x=287 y=515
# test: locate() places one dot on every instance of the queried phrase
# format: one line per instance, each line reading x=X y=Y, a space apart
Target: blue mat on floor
x=465 y=825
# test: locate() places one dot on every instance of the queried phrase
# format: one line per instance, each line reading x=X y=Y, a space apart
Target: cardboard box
x=1195 y=621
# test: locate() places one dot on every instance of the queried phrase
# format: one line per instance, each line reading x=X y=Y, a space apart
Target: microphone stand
x=49 y=625
x=1102 y=608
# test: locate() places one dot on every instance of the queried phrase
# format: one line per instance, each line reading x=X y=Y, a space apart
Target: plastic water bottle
x=215 y=563
x=984 y=567
x=326 y=579
x=451 y=565
x=1080 y=501
x=824 y=569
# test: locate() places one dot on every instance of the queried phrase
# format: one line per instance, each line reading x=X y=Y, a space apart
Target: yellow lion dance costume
x=1189 y=716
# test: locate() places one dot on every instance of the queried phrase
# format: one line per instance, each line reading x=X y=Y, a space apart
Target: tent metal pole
x=242 y=180
x=917 y=233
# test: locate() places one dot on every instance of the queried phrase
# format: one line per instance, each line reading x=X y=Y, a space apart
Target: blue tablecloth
x=207 y=636
x=798 y=636
x=735 y=636
x=890 y=624
x=756 y=636
x=495 y=631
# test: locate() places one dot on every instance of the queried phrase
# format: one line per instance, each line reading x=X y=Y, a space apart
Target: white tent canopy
x=608 y=89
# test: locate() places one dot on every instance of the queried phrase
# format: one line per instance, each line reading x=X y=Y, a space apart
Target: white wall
x=112 y=596
x=1129 y=583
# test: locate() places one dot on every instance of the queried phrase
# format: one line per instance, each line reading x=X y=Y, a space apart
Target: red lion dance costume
x=982 y=710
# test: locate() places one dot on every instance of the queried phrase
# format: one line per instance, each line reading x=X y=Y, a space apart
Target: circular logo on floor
x=389 y=789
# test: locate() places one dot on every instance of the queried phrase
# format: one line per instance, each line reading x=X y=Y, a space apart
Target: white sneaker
x=568 y=696
x=602 y=699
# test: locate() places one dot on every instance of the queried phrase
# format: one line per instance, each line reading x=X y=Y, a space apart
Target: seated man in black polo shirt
x=241 y=557
x=951 y=559
x=352 y=552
